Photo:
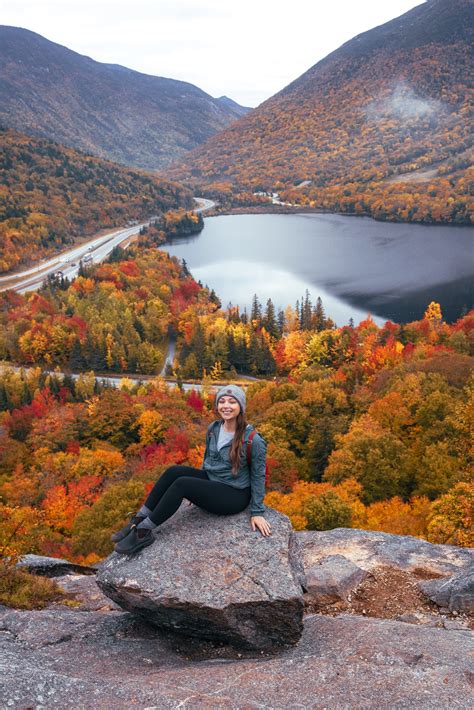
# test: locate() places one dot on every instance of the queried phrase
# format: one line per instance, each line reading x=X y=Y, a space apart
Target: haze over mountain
x=385 y=115
x=105 y=109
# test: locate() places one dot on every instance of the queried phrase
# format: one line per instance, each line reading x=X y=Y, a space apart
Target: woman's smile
x=228 y=408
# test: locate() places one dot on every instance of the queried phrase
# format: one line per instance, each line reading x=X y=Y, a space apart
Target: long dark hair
x=237 y=442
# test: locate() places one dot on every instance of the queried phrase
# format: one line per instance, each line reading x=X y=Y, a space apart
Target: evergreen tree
x=256 y=312
x=269 y=321
x=26 y=397
x=76 y=359
x=5 y=401
x=119 y=254
x=241 y=357
x=231 y=348
x=267 y=365
x=319 y=315
x=299 y=313
x=306 y=312
x=281 y=322
x=214 y=298
x=54 y=384
x=253 y=355
x=139 y=328
x=198 y=346
x=94 y=356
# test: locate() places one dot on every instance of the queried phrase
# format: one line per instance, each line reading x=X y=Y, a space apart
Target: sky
x=245 y=49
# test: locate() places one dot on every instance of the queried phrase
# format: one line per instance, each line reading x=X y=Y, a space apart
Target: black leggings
x=179 y=482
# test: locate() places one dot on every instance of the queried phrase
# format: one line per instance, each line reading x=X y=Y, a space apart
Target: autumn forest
x=368 y=425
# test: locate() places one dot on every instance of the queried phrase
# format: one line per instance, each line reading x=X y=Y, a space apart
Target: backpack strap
x=212 y=428
x=249 y=447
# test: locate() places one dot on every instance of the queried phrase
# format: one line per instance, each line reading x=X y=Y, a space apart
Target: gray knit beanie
x=232 y=391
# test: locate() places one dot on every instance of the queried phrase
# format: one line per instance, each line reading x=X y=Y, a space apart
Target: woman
x=225 y=485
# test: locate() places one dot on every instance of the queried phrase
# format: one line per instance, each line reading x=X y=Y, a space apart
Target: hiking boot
x=120 y=534
x=136 y=540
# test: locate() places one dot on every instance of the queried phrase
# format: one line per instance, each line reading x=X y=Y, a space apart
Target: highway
x=67 y=263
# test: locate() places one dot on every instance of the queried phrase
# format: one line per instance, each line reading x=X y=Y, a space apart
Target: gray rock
x=455 y=593
x=369 y=549
x=213 y=577
x=332 y=579
x=86 y=592
x=62 y=658
x=51 y=566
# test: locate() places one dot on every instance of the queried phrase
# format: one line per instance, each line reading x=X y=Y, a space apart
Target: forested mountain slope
x=50 y=194
x=380 y=126
x=105 y=109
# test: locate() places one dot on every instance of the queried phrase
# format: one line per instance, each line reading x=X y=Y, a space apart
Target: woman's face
x=228 y=408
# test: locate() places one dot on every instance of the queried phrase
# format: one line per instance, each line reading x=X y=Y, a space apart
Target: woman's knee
x=172 y=471
x=181 y=484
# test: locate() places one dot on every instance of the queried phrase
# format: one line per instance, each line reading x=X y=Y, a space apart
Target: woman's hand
x=257 y=521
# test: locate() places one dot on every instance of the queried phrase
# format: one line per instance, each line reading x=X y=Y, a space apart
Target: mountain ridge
x=367 y=112
x=109 y=110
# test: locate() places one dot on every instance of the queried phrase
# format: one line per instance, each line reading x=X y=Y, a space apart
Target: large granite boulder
x=455 y=593
x=368 y=549
x=213 y=577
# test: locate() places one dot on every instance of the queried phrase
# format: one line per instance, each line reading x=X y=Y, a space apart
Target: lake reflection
x=356 y=265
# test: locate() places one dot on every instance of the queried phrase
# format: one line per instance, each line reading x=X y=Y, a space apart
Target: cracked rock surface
x=61 y=658
x=213 y=577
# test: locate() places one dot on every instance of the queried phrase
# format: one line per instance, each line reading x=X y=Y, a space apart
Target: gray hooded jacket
x=218 y=466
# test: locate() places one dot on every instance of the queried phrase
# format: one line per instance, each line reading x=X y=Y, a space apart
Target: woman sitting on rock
x=225 y=485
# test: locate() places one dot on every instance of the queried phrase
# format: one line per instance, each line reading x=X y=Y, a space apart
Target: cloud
x=403 y=104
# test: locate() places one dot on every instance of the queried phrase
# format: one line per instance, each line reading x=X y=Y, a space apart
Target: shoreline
x=278 y=209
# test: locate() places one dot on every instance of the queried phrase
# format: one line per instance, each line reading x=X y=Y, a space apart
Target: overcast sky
x=245 y=49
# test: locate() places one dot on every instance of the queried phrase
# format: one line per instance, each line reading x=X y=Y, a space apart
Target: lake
x=357 y=265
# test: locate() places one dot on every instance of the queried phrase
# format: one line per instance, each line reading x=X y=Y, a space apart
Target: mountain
x=50 y=194
x=234 y=106
x=380 y=126
x=105 y=109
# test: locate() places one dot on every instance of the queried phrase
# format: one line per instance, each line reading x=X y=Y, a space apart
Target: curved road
x=115 y=380
x=96 y=250
x=93 y=251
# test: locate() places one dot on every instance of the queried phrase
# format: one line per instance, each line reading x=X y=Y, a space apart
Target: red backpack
x=249 y=458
